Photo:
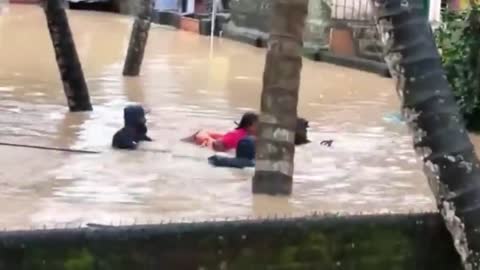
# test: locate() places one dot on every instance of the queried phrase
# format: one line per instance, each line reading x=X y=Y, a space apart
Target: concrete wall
x=127 y=6
x=318 y=24
x=386 y=242
x=251 y=18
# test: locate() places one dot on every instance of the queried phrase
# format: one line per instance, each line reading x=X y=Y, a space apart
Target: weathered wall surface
x=401 y=242
x=362 y=37
x=251 y=19
x=127 y=6
x=318 y=25
x=357 y=36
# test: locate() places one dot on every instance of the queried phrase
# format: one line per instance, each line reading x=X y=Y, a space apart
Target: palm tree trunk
x=440 y=137
x=138 y=39
x=281 y=81
x=71 y=73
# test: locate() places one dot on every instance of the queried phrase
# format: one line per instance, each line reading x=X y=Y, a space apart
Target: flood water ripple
x=370 y=168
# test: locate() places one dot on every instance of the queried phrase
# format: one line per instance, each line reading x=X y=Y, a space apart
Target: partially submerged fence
x=352 y=10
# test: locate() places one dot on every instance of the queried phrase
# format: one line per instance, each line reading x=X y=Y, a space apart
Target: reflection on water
x=371 y=167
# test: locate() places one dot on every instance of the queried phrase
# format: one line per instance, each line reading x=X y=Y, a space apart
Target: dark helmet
x=134 y=115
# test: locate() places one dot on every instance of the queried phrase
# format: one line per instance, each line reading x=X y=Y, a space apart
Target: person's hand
x=204 y=143
x=207 y=143
x=327 y=143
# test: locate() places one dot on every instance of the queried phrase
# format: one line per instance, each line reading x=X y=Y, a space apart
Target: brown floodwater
x=370 y=168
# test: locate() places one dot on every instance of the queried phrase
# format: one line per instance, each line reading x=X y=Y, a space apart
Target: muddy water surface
x=370 y=168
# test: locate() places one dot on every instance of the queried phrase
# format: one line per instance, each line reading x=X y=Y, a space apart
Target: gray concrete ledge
x=259 y=39
x=354 y=62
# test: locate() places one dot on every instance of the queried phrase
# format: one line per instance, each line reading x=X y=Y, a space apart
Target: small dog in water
x=134 y=131
x=301 y=134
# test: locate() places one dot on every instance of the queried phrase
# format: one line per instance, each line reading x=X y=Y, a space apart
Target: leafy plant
x=458 y=40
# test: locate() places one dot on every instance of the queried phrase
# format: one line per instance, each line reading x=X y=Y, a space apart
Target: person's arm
x=146 y=138
x=142 y=130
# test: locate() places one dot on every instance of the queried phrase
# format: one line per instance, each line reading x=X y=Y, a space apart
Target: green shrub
x=458 y=40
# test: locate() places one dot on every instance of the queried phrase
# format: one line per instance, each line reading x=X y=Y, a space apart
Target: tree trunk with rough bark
x=281 y=82
x=138 y=39
x=440 y=137
x=71 y=73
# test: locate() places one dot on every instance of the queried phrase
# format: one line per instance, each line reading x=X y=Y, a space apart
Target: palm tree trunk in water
x=138 y=39
x=281 y=80
x=71 y=73
x=440 y=137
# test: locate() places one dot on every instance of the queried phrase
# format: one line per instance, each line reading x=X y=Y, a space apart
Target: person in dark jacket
x=134 y=131
x=245 y=155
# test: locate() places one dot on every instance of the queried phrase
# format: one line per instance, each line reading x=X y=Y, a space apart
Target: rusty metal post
x=440 y=137
x=138 y=39
x=281 y=82
x=74 y=85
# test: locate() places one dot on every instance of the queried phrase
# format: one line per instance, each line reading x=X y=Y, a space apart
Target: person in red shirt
x=225 y=142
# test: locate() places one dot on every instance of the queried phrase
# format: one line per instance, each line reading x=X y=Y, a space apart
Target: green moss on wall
x=360 y=243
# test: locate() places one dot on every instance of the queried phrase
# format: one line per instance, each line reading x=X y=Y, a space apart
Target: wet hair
x=248 y=119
